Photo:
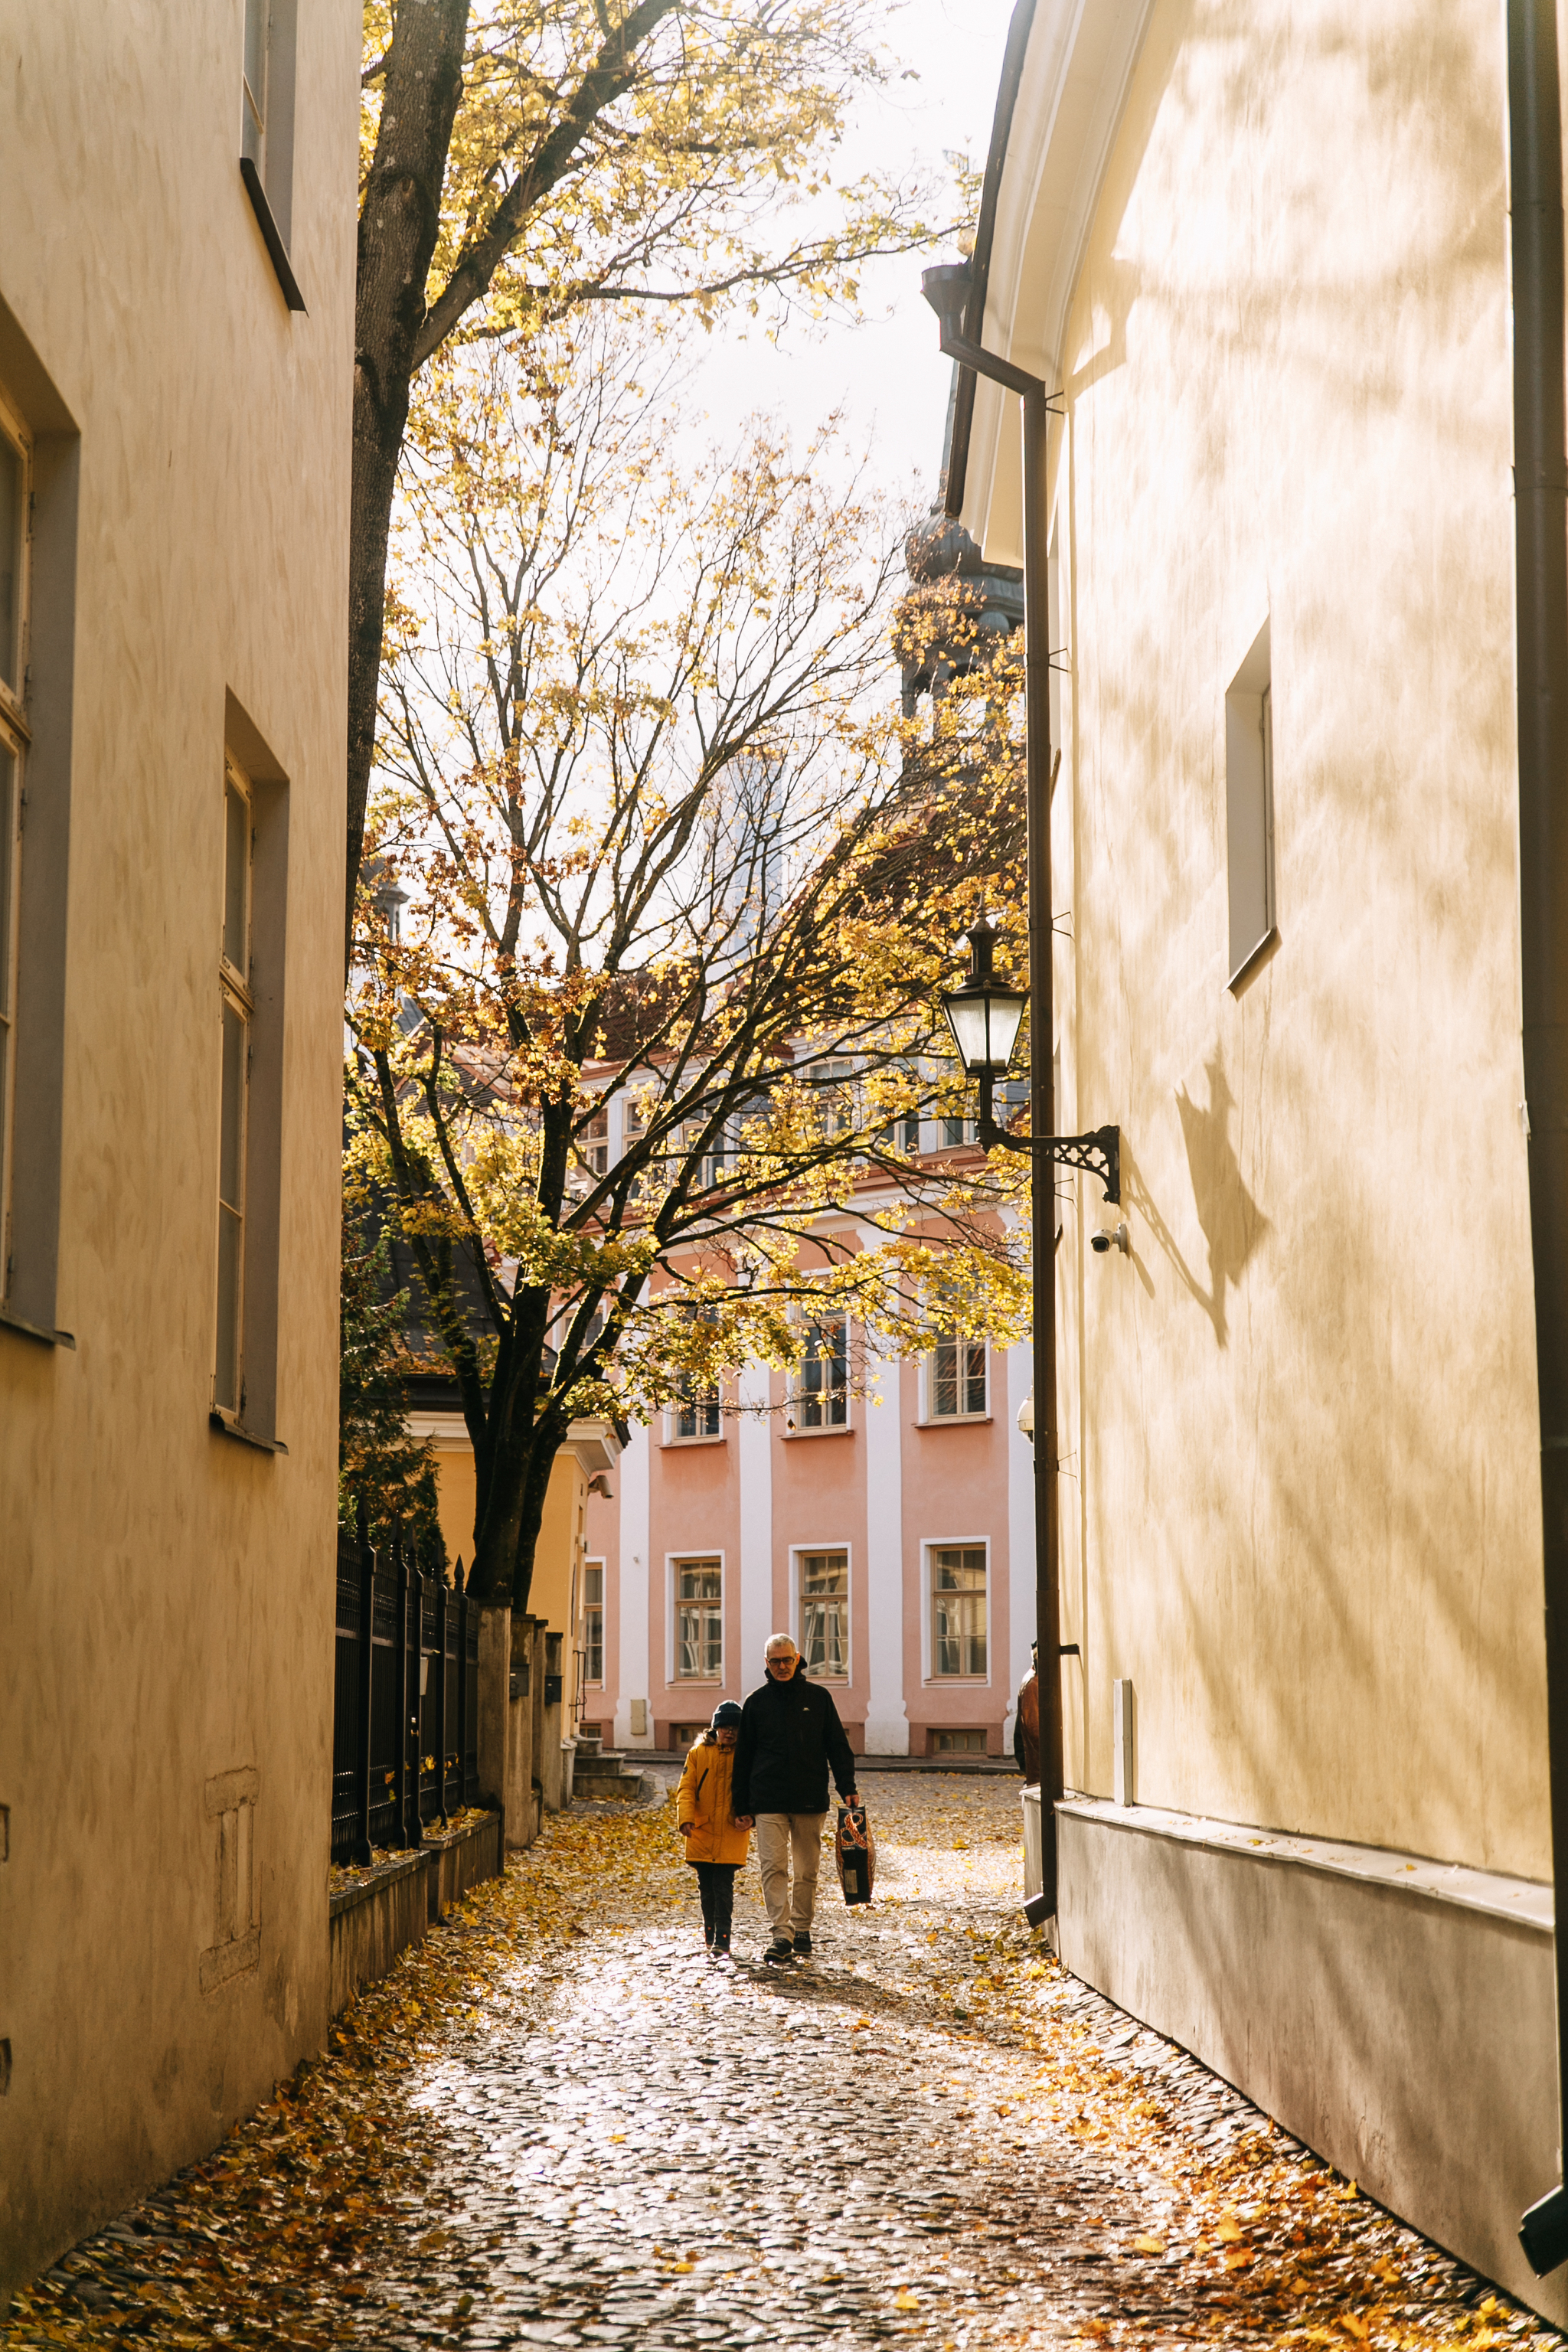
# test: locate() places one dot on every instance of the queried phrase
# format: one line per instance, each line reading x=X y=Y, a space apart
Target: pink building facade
x=890 y=1533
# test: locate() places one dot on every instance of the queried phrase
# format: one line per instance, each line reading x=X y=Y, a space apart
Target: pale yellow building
x=1264 y=250
x=176 y=356
x=558 y=1591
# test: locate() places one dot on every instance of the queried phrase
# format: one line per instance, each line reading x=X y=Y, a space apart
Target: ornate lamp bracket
x=1098 y=1154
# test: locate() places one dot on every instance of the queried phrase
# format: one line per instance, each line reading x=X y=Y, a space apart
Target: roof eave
x=1054 y=133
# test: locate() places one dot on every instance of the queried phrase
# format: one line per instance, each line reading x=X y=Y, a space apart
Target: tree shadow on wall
x=1228 y=1217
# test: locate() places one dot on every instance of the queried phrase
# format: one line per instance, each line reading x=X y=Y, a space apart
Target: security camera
x=1100 y=1243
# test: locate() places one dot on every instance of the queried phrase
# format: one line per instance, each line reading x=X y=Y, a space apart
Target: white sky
x=888 y=372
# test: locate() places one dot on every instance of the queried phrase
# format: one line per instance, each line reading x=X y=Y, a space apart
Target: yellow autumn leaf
x=1148 y=2245
x=683 y=2266
x=1229 y=2231
x=906 y=2301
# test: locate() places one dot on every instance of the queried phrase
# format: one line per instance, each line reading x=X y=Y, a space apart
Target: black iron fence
x=406 y=1702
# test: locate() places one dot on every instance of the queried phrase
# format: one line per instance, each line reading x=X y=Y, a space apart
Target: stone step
x=598 y=1786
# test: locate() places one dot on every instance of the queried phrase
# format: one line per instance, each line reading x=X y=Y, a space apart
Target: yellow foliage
x=668 y=853
x=682 y=154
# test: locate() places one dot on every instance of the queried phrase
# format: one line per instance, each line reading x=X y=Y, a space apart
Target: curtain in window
x=959 y=1610
x=699 y=1621
x=825 y=1613
x=823 y=1381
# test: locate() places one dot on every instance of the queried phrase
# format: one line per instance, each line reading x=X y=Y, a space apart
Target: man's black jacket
x=790 y=1734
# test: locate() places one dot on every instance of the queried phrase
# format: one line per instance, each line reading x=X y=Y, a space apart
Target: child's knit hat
x=725 y=1714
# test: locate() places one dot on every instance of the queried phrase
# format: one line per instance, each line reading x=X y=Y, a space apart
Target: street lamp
x=984 y=1014
x=948 y=288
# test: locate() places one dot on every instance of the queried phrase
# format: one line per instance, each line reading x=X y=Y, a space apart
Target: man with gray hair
x=790 y=1735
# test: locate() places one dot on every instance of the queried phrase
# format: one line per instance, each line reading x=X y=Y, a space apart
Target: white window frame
x=594 y=1142
x=676 y=1561
x=902 y=1133
x=1010 y=1096
x=799 y=1555
x=14 y=738
x=236 y=1003
x=700 y=1403
x=799 y=1396
x=929 y=1417
x=833 y=1085
x=929 y=1547
x=593 y=1608
x=629 y=1118
x=710 y=1166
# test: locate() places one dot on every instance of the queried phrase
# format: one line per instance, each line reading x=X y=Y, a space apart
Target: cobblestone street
x=559 y=2123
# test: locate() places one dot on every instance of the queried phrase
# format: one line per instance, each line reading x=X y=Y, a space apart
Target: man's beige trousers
x=786 y=1842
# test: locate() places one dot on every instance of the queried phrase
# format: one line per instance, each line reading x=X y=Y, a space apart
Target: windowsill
x=678 y=1444
x=1254 y=957
x=278 y=252
x=841 y=1429
x=236 y=1430
x=957 y=1682
x=19 y=1323
x=954 y=1421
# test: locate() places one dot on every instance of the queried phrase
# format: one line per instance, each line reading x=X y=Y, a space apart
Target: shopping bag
x=855 y=1852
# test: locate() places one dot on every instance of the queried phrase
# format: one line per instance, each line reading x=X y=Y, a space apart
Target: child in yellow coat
x=715 y=1846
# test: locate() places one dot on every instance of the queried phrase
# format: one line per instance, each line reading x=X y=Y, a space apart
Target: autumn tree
x=671 y=906
x=522 y=164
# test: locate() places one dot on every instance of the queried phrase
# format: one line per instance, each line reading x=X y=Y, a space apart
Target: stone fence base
x=382 y=1910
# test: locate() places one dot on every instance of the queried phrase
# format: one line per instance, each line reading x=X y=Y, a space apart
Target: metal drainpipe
x=1043 y=1126
x=1540 y=547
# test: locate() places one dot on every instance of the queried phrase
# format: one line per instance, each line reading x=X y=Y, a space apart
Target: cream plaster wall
x=166 y=1600
x=1306 y=1526
x=560 y=1548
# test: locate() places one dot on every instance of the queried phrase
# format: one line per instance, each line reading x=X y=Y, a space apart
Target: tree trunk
x=519 y=1444
x=400 y=216
x=542 y=1461
x=513 y=1510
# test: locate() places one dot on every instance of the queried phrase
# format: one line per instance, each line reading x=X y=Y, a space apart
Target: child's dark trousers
x=716 y=1885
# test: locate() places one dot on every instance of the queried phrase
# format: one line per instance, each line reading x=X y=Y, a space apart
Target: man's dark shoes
x=803 y=1947
x=780 y=1949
